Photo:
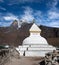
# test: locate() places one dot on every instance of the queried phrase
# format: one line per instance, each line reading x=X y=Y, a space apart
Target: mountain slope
x=14 y=36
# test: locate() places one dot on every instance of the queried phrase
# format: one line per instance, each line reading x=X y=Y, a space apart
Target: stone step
x=37 y=48
x=23 y=46
x=35 y=53
x=41 y=46
x=21 y=53
x=23 y=49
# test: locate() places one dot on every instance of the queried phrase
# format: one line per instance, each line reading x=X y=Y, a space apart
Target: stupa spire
x=34 y=28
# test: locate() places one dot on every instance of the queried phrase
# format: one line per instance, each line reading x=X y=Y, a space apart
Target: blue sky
x=45 y=12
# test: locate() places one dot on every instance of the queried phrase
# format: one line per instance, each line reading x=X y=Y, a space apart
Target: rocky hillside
x=14 y=36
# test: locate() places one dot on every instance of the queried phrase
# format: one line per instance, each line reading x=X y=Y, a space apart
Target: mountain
x=14 y=24
x=14 y=36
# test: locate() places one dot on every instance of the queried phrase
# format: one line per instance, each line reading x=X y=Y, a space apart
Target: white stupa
x=35 y=37
x=35 y=44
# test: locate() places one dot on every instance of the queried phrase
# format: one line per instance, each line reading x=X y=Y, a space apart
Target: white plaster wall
x=21 y=53
x=35 y=53
x=23 y=49
x=38 y=49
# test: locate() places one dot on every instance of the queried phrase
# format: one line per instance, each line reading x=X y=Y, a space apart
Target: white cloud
x=10 y=17
x=28 y=16
x=12 y=2
x=2 y=8
x=39 y=16
x=7 y=19
x=4 y=24
x=54 y=24
x=38 y=13
x=53 y=15
x=52 y=4
x=48 y=19
x=1 y=0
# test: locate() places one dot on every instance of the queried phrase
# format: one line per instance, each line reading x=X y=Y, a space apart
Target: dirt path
x=15 y=59
x=23 y=61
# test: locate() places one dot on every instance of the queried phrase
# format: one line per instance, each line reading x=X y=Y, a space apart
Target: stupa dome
x=35 y=37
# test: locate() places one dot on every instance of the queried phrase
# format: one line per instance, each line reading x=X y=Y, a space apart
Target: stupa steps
x=24 y=49
x=35 y=46
x=33 y=53
x=40 y=46
x=35 y=50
